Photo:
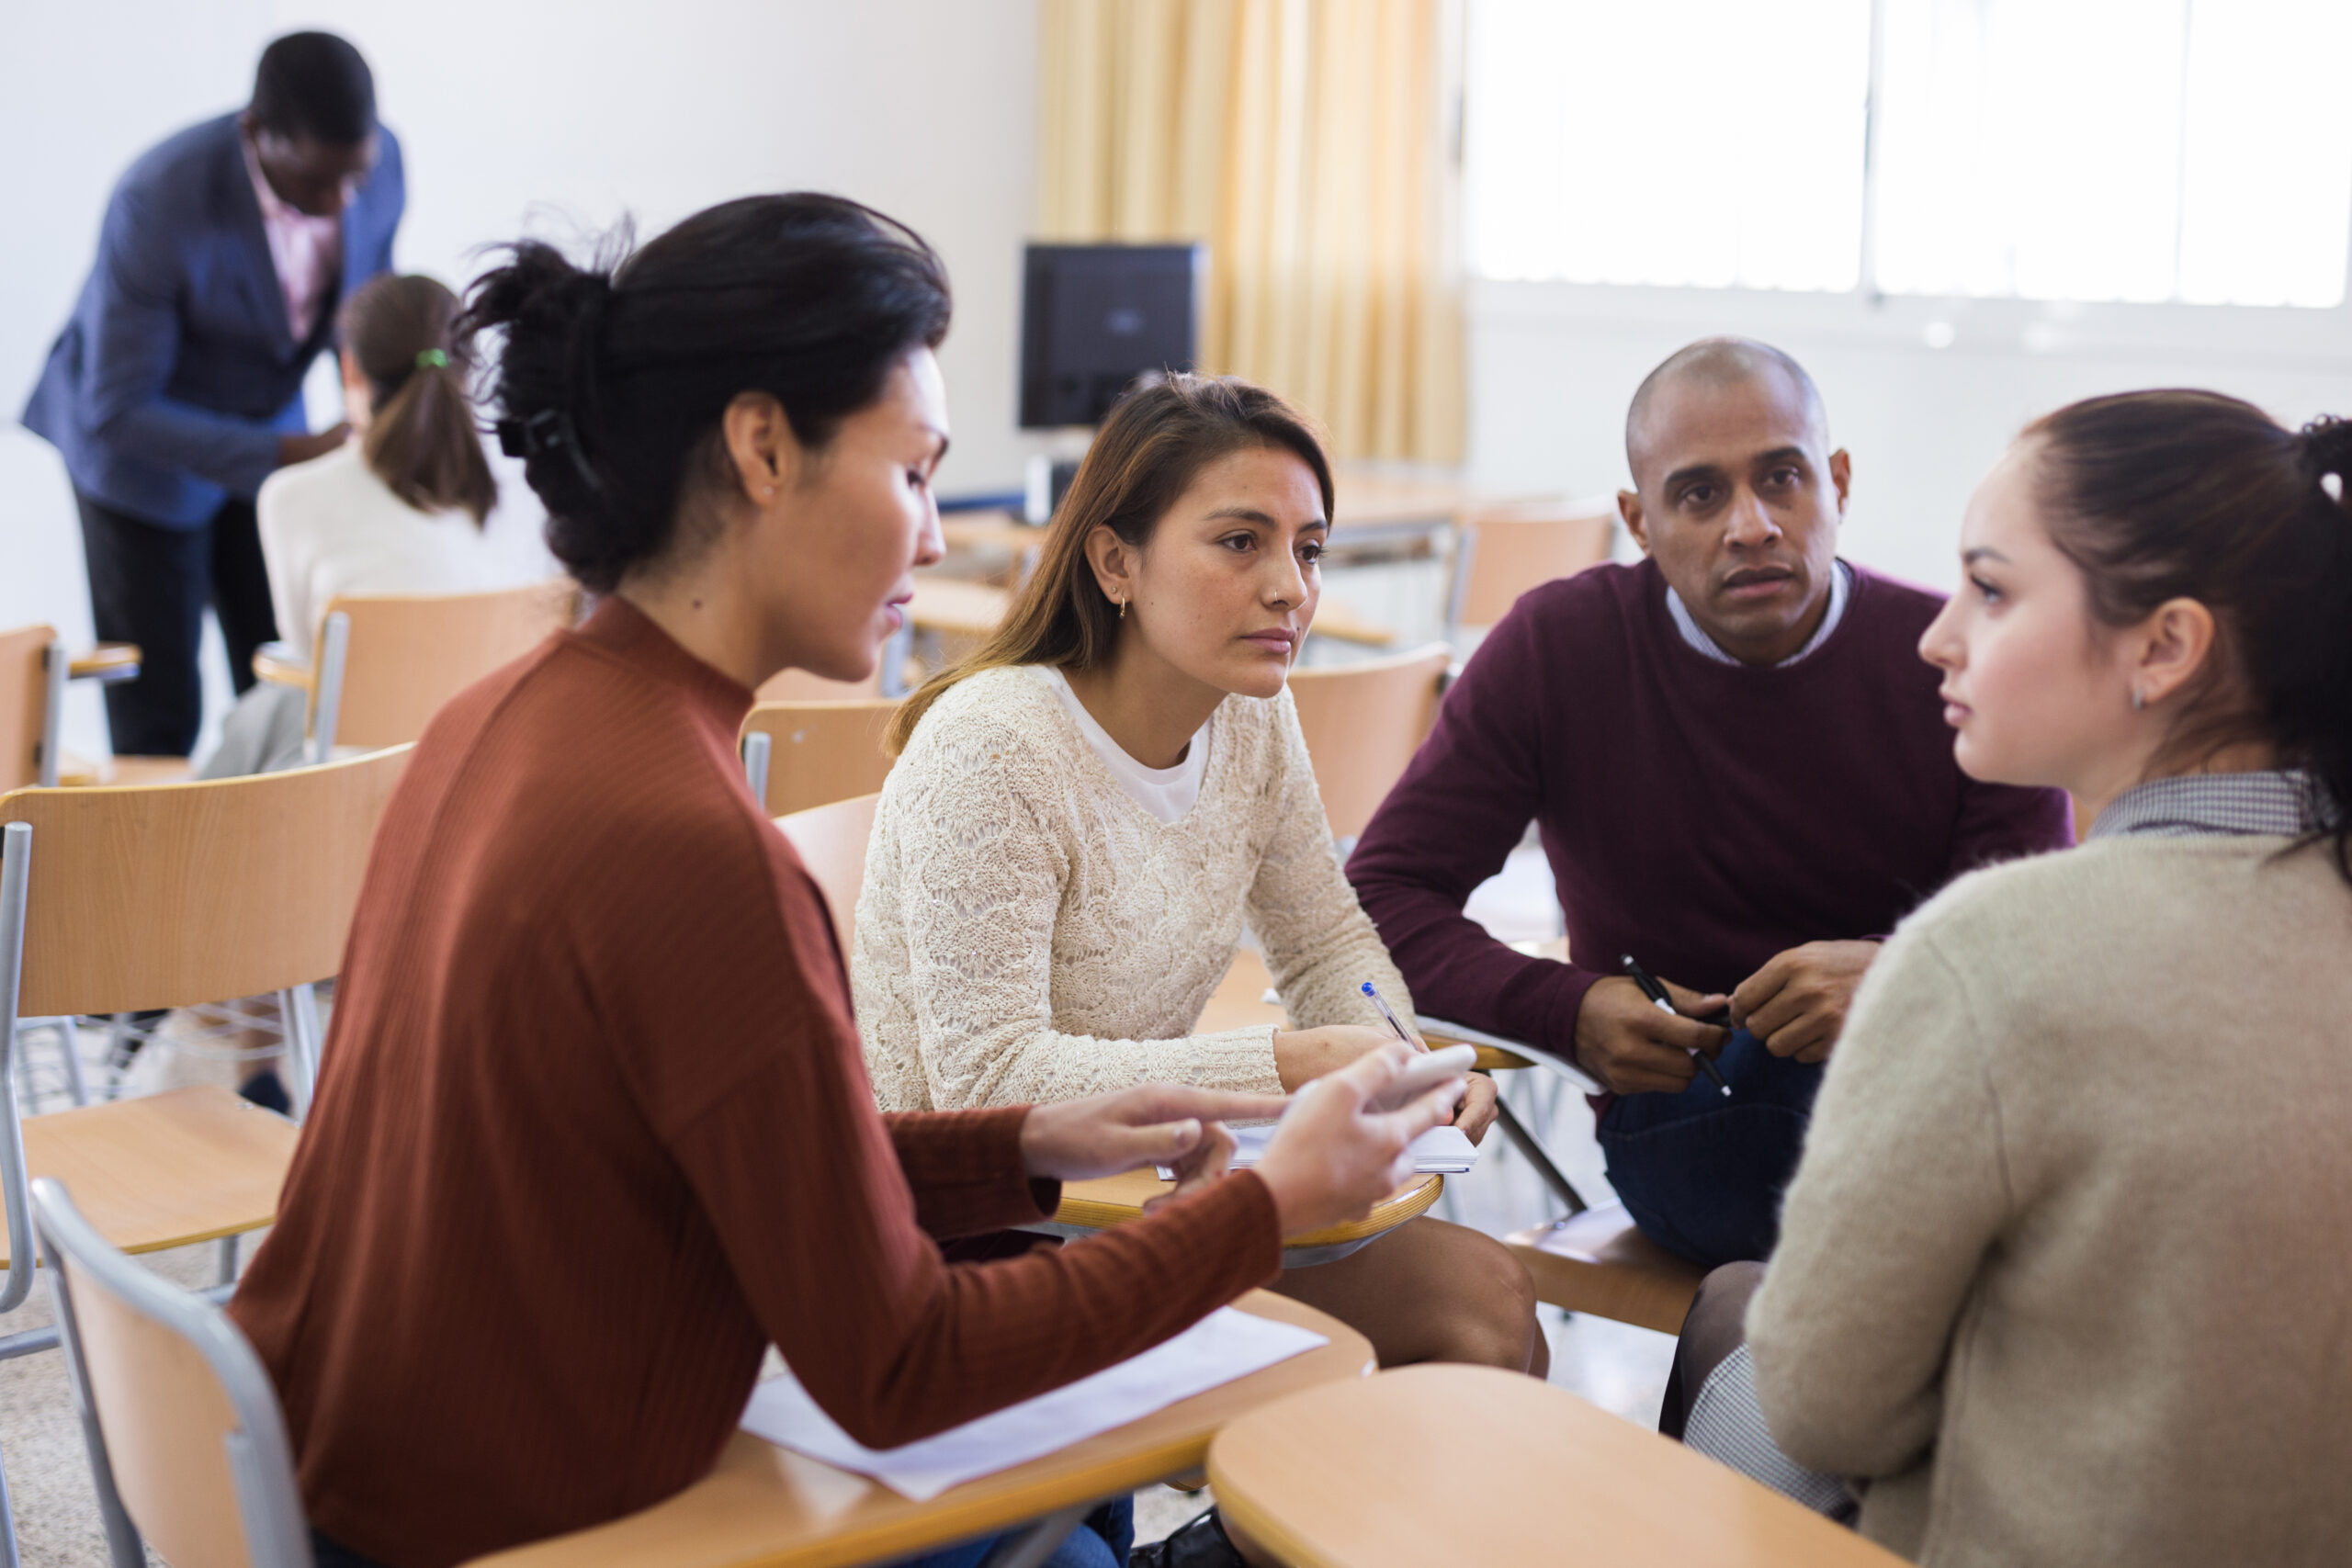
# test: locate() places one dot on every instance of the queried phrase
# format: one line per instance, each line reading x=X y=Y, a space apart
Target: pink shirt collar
x=305 y=252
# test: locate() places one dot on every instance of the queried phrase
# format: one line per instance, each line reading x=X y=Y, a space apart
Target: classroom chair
x=1480 y=1465
x=34 y=671
x=387 y=662
x=816 y=753
x=1500 y=552
x=187 y=1445
x=116 y=899
x=830 y=840
x=1362 y=722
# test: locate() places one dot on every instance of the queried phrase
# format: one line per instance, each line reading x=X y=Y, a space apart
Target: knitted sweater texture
x=1027 y=932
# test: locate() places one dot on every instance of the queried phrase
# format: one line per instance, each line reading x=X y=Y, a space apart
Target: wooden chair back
x=1363 y=722
x=165 y=895
x=24 y=703
x=408 y=655
x=831 y=843
x=799 y=686
x=188 y=1445
x=1505 y=551
x=820 y=752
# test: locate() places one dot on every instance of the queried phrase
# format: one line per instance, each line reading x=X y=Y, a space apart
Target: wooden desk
x=1470 y=1464
x=771 y=1507
x=957 y=608
x=989 y=531
x=1089 y=1206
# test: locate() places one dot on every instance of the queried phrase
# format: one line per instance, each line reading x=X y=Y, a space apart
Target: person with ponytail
x=2061 y=1278
x=593 y=1129
x=397 y=508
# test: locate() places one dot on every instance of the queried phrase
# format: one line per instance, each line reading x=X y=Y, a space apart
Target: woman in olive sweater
x=2059 y=1279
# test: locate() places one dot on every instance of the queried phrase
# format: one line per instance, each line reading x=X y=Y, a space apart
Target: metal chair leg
x=229 y=1260
x=1532 y=1153
x=69 y=1040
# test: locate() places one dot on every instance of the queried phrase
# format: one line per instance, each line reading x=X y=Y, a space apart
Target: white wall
x=516 y=116
x=1552 y=366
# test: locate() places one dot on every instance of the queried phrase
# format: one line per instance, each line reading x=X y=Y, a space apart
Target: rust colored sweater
x=594 y=1128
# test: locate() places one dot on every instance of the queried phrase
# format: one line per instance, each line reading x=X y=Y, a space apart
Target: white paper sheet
x=1222 y=1346
x=1441 y=1151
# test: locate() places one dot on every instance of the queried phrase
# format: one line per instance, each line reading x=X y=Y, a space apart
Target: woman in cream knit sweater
x=1087 y=813
x=2061 y=1277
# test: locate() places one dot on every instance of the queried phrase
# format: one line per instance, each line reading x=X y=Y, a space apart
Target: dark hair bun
x=613 y=379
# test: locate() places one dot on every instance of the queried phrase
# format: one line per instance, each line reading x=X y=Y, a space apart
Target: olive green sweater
x=2066 y=1270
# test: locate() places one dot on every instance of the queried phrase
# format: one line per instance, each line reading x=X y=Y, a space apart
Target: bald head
x=1717 y=363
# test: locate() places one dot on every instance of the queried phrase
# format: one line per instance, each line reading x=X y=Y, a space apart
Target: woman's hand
x=1333 y=1157
x=1476 y=1111
x=1154 y=1123
x=1301 y=1056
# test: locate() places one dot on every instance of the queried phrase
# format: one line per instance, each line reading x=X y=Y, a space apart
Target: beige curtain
x=1310 y=145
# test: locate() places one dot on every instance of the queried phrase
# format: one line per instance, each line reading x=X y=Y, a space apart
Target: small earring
x=2139 y=699
x=1122 y=609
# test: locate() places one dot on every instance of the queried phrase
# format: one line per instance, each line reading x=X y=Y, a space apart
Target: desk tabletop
x=764 y=1507
x=1115 y=1199
x=951 y=605
x=1478 y=1465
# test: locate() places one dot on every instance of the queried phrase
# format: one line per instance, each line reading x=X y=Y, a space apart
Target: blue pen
x=1390 y=1014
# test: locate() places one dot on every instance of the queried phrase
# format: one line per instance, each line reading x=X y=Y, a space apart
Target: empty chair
x=821 y=751
x=34 y=670
x=188 y=1447
x=387 y=663
x=1502 y=552
x=121 y=899
x=831 y=841
x=1362 y=722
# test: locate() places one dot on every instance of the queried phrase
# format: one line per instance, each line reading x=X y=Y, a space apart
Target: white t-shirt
x=329 y=526
x=1166 y=792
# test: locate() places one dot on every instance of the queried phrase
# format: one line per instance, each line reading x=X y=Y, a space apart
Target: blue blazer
x=169 y=387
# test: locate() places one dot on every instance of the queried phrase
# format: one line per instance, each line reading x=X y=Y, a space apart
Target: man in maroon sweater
x=1742 y=777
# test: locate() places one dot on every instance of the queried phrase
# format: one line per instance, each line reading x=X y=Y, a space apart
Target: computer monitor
x=1094 y=318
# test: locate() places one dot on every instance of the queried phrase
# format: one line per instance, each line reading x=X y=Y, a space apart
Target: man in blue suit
x=176 y=386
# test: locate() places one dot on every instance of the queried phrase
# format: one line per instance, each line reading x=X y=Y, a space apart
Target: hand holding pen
x=1657 y=993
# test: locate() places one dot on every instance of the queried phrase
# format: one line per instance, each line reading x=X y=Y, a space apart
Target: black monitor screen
x=1094 y=318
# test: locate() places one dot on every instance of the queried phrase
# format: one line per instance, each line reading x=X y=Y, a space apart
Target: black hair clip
x=544 y=432
x=550 y=430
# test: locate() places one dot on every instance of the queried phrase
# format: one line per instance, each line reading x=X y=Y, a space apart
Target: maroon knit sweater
x=594 y=1127
x=1700 y=815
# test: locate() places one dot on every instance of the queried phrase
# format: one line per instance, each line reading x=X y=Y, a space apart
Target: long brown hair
x=421 y=441
x=2161 y=495
x=1146 y=455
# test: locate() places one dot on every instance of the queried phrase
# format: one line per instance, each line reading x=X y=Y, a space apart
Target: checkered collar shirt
x=2280 y=804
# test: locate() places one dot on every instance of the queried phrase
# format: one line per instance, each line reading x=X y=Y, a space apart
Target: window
x=2094 y=150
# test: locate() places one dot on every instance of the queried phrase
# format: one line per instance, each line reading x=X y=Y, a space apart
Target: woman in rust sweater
x=593 y=1126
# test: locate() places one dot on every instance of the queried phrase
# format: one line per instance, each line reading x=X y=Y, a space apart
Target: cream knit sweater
x=2068 y=1265
x=1027 y=932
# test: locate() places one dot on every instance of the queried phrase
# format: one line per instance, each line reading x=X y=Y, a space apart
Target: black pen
x=1656 y=993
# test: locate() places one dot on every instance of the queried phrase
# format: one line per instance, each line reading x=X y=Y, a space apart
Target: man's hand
x=1333 y=1158
x=293 y=449
x=1635 y=1046
x=1797 y=1003
x=1301 y=1056
x=1154 y=1123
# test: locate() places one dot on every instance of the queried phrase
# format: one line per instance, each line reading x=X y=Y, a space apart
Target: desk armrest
x=1494 y=1050
x=105 y=663
x=278 y=663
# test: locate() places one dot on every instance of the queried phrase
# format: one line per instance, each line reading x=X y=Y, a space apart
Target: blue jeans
x=1101 y=1542
x=1701 y=1174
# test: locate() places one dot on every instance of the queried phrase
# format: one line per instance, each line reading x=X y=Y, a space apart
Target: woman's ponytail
x=421 y=440
x=2168 y=494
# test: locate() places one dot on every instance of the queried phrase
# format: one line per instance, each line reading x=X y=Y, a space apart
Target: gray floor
x=1620 y=1368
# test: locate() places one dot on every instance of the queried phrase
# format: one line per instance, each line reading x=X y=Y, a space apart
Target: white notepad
x=1222 y=1346
x=1441 y=1151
